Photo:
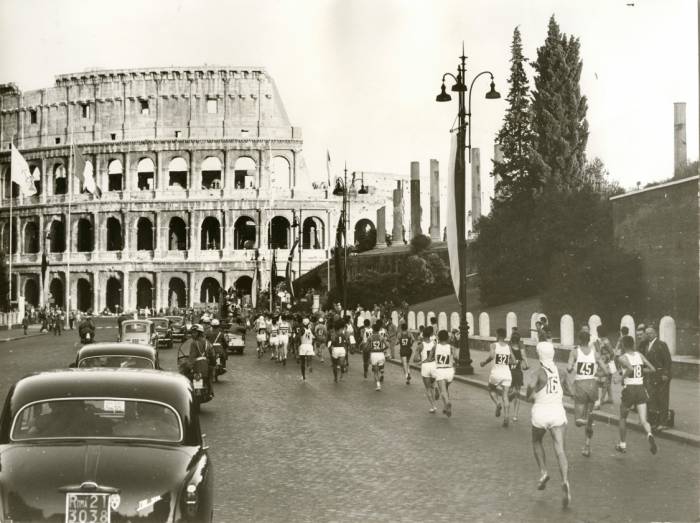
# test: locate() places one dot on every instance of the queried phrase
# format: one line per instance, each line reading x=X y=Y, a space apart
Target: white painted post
x=470 y=322
x=566 y=327
x=420 y=319
x=628 y=321
x=667 y=333
x=511 y=321
x=428 y=317
x=442 y=321
x=484 y=325
x=454 y=320
x=534 y=318
x=411 y=319
x=395 y=318
x=593 y=322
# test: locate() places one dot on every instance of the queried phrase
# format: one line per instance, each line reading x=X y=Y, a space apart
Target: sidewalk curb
x=605 y=417
x=23 y=337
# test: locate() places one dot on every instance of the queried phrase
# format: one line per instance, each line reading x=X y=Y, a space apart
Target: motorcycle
x=197 y=374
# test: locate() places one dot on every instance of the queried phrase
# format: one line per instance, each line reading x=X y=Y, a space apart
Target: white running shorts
x=338 y=352
x=426 y=369
x=443 y=373
x=377 y=358
x=500 y=380
x=547 y=416
x=274 y=341
x=262 y=337
x=306 y=349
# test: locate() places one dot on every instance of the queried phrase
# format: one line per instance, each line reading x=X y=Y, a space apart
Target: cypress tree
x=559 y=113
x=515 y=137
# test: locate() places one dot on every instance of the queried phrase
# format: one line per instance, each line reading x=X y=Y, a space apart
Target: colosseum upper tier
x=199 y=170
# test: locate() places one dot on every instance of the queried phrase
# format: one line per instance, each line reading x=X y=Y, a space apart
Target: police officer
x=216 y=337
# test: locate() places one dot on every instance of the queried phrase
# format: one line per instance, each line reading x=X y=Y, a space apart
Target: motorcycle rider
x=86 y=329
x=200 y=353
x=216 y=337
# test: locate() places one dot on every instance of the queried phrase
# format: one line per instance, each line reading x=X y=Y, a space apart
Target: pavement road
x=318 y=451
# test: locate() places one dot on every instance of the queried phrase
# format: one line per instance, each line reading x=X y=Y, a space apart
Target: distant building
x=198 y=167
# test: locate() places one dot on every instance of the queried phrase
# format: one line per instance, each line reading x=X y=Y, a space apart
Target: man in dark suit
x=659 y=383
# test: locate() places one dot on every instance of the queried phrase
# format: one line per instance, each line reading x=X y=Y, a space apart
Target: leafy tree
x=558 y=113
x=515 y=137
x=420 y=243
x=597 y=177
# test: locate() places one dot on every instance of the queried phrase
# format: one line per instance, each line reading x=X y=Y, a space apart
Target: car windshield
x=176 y=321
x=97 y=418
x=161 y=323
x=116 y=361
x=136 y=327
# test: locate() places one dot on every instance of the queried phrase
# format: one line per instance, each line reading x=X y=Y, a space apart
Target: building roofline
x=660 y=186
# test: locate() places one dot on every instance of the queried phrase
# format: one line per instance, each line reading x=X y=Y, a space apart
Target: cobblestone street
x=319 y=451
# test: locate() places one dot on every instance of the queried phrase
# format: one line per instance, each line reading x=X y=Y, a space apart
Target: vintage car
x=137 y=331
x=164 y=333
x=177 y=324
x=235 y=337
x=117 y=355
x=100 y=445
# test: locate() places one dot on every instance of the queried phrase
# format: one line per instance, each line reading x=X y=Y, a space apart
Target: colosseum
x=200 y=172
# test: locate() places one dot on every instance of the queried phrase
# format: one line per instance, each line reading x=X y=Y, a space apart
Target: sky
x=360 y=76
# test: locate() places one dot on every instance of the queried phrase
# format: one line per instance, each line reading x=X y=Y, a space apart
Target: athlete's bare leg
x=540 y=457
x=506 y=405
x=558 y=434
x=429 y=393
x=445 y=394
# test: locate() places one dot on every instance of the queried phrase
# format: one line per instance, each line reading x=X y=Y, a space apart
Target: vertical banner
x=455 y=217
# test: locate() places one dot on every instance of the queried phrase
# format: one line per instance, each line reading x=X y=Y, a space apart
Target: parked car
x=117 y=355
x=137 y=331
x=177 y=324
x=164 y=333
x=96 y=445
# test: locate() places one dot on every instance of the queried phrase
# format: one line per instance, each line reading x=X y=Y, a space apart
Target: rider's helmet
x=215 y=322
x=197 y=327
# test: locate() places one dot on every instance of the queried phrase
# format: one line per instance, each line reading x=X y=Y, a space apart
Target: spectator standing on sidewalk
x=605 y=350
x=658 y=383
x=71 y=319
x=25 y=324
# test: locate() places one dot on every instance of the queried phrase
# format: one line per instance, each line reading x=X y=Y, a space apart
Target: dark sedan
x=179 y=331
x=117 y=355
x=101 y=445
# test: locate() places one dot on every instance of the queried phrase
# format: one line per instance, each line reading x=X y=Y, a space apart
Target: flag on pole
x=288 y=269
x=454 y=231
x=84 y=171
x=20 y=173
x=339 y=254
x=254 y=285
x=328 y=167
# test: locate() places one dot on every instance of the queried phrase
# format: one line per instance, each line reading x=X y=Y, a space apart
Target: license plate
x=134 y=340
x=87 y=508
x=198 y=384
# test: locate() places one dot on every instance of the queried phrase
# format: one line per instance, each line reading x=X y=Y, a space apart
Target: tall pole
x=12 y=226
x=301 y=241
x=465 y=361
x=345 y=239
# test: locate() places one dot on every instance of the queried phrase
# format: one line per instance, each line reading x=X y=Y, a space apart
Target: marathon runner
x=500 y=377
x=338 y=348
x=444 y=371
x=306 y=347
x=377 y=357
x=426 y=357
x=405 y=351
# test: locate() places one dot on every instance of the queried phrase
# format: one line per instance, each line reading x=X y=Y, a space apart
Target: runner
x=548 y=414
x=517 y=366
x=444 y=371
x=378 y=346
x=632 y=365
x=500 y=377
x=261 y=336
x=274 y=331
x=426 y=357
x=586 y=362
x=338 y=349
x=283 y=339
x=320 y=338
x=365 y=333
x=306 y=347
x=405 y=350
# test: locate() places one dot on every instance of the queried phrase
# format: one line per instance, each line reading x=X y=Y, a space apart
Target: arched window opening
x=211 y=234
x=244 y=285
x=313 y=233
x=115 y=174
x=36 y=176
x=245 y=173
x=177 y=173
x=145 y=173
x=211 y=173
x=57 y=236
x=144 y=293
x=56 y=293
x=279 y=233
x=31 y=292
x=280 y=173
x=60 y=181
x=113 y=297
x=365 y=235
x=85 y=235
x=31 y=238
x=144 y=235
x=177 y=293
x=210 y=291
x=84 y=295
x=114 y=234
x=244 y=233
x=177 y=234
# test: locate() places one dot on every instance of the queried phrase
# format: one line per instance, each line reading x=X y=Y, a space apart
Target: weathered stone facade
x=197 y=166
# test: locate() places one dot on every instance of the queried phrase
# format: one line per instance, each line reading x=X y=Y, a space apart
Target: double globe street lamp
x=464 y=141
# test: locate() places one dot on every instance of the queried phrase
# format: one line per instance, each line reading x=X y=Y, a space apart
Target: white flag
x=452 y=227
x=20 y=174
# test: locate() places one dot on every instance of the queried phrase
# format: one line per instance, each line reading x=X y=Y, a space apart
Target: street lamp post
x=464 y=116
x=341 y=189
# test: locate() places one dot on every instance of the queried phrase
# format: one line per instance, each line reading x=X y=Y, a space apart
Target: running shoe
x=379 y=386
x=621 y=448
x=542 y=483
x=515 y=418
x=433 y=410
x=498 y=410
x=652 y=444
x=566 y=499
x=586 y=452
x=580 y=422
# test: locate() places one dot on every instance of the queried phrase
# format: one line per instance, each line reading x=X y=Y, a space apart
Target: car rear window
x=97 y=418
x=136 y=327
x=119 y=362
